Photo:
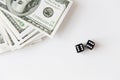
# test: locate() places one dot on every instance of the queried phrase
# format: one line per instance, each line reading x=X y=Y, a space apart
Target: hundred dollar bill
x=4 y=45
x=17 y=27
x=21 y=28
x=45 y=15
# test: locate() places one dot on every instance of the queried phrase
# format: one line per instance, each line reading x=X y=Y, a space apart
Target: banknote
x=4 y=41
x=44 y=15
x=14 y=42
x=9 y=36
x=19 y=28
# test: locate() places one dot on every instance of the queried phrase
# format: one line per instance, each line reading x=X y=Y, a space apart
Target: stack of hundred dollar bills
x=24 y=21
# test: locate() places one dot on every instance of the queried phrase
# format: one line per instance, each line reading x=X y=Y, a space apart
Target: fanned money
x=24 y=22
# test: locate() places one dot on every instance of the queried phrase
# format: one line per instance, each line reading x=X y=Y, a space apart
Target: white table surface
x=56 y=59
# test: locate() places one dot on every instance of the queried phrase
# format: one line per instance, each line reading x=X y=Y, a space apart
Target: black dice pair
x=80 y=47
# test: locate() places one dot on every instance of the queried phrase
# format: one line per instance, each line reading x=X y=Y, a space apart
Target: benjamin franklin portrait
x=22 y=7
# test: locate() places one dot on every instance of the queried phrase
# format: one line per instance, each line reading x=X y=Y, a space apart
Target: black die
x=90 y=44
x=79 y=48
